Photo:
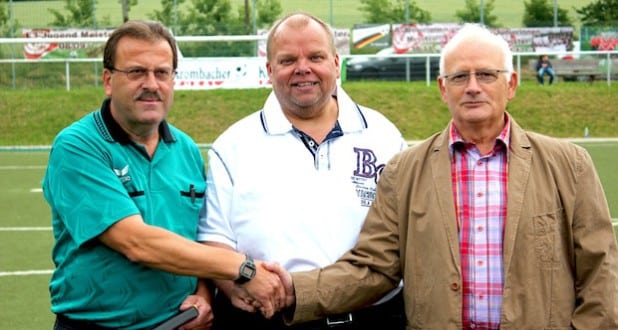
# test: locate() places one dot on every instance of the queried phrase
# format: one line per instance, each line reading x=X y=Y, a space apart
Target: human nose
x=302 y=67
x=472 y=84
x=150 y=81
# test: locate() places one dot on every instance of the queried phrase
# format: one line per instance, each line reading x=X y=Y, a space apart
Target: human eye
x=459 y=77
x=286 y=61
x=486 y=76
x=162 y=74
x=136 y=73
x=317 y=58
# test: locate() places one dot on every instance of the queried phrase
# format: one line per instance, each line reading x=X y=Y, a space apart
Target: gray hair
x=471 y=31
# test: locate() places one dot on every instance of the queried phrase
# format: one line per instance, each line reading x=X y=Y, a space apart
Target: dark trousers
x=63 y=323
x=389 y=315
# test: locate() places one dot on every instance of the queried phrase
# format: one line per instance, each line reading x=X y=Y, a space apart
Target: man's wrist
x=246 y=271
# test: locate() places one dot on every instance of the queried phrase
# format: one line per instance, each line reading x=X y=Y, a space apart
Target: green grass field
x=26 y=239
x=345 y=13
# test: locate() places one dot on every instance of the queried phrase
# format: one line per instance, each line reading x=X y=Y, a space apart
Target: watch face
x=246 y=271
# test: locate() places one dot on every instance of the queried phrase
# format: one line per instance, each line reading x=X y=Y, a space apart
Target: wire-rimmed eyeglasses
x=484 y=76
x=138 y=73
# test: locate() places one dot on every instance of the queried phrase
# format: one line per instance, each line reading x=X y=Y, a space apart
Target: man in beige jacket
x=488 y=225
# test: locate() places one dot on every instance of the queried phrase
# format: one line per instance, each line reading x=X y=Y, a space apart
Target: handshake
x=270 y=290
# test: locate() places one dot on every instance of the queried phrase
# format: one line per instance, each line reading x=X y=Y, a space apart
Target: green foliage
x=5 y=28
x=267 y=12
x=81 y=14
x=540 y=13
x=126 y=8
x=208 y=17
x=4 y=13
x=169 y=14
x=385 y=11
x=472 y=13
x=599 y=13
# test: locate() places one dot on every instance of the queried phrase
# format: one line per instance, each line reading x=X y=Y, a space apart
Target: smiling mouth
x=304 y=84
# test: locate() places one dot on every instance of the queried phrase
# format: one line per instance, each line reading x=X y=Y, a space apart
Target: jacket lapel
x=520 y=161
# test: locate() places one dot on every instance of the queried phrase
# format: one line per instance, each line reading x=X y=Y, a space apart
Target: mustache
x=149 y=95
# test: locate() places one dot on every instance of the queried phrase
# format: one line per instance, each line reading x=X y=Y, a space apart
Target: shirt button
x=479 y=228
x=479 y=194
x=479 y=163
x=454 y=286
x=480 y=262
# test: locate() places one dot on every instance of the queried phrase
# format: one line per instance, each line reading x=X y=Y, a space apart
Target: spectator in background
x=292 y=182
x=544 y=67
x=490 y=226
x=125 y=190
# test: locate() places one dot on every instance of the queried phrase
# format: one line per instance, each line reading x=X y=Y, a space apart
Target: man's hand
x=205 y=317
x=266 y=290
x=241 y=299
x=286 y=279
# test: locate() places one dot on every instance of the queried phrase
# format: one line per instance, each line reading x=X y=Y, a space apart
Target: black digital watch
x=246 y=271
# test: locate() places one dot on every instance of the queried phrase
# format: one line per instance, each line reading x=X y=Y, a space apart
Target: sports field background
x=26 y=238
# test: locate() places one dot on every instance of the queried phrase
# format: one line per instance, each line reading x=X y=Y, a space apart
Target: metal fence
x=71 y=73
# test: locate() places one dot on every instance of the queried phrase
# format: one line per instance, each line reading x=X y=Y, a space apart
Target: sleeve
x=596 y=256
x=364 y=274
x=81 y=187
x=214 y=225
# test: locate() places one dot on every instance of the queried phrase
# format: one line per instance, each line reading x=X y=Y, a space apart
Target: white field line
x=25 y=228
x=23 y=167
x=27 y=272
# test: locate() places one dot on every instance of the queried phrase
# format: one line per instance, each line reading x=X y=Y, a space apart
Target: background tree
x=208 y=17
x=126 y=8
x=170 y=15
x=4 y=19
x=385 y=11
x=472 y=13
x=599 y=13
x=540 y=13
x=268 y=11
x=80 y=14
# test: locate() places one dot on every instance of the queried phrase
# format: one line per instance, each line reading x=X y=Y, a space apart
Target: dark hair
x=142 y=30
x=297 y=20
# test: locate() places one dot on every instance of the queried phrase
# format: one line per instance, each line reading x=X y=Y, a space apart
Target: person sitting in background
x=544 y=67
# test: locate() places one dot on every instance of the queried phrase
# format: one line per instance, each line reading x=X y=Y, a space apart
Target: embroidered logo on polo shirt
x=123 y=174
x=366 y=175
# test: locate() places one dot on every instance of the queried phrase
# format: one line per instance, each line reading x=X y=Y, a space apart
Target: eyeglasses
x=142 y=73
x=484 y=76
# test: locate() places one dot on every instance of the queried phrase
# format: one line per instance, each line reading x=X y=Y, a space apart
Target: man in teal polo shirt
x=126 y=189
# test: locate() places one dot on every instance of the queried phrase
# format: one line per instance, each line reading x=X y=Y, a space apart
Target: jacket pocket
x=546 y=233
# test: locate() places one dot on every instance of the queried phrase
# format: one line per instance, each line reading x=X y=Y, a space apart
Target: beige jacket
x=560 y=255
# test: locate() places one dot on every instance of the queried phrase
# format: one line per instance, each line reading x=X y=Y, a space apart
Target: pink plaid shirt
x=479 y=188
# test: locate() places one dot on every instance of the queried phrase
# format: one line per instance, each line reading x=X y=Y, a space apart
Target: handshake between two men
x=267 y=289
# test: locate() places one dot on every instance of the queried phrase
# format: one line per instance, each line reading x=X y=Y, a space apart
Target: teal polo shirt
x=96 y=176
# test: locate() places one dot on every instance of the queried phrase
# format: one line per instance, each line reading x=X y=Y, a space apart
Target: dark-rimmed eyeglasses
x=484 y=76
x=141 y=73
